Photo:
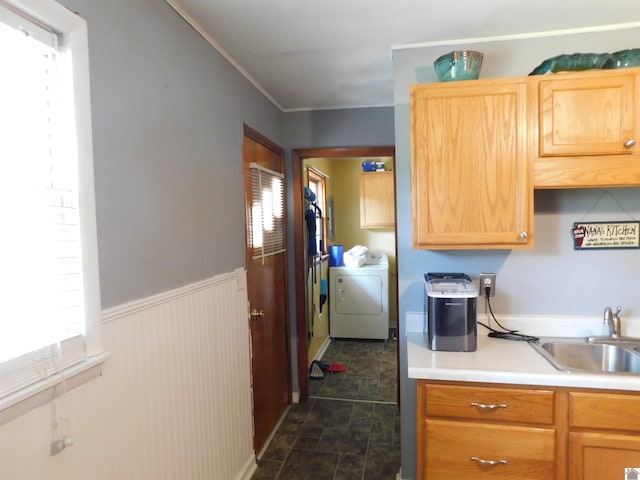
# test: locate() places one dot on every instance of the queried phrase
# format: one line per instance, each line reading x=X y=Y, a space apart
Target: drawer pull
x=488 y=406
x=629 y=143
x=488 y=462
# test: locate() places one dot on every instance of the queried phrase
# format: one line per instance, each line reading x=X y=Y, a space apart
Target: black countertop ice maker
x=451 y=312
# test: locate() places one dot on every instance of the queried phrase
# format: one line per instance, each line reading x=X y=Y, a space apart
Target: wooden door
x=267 y=290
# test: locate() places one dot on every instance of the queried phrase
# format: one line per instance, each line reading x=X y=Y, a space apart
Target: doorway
x=301 y=257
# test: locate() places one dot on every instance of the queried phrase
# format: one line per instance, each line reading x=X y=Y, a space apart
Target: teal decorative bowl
x=623 y=59
x=459 y=65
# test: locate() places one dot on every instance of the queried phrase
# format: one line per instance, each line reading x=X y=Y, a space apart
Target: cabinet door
x=377 y=200
x=588 y=129
x=602 y=456
x=469 y=168
x=588 y=115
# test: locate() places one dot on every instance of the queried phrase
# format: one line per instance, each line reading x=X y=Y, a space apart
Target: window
x=266 y=219
x=50 y=302
x=318 y=185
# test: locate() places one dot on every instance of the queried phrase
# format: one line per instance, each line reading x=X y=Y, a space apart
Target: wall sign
x=599 y=235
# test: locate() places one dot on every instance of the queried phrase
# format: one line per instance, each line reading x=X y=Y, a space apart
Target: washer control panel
x=376 y=258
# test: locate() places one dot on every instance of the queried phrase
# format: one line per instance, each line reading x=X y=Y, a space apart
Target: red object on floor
x=337 y=367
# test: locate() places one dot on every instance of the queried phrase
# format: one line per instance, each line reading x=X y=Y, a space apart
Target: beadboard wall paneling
x=174 y=401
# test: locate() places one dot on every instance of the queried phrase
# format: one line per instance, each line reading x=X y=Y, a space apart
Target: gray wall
x=360 y=127
x=167 y=115
x=551 y=278
x=354 y=127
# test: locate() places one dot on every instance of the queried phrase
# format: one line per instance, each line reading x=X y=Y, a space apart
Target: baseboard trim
x=273 y=433
x=248 y=469
x=323 y=348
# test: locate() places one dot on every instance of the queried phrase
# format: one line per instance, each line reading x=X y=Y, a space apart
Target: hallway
x=350 y=427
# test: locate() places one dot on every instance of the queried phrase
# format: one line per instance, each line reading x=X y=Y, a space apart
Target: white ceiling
x=323 y=54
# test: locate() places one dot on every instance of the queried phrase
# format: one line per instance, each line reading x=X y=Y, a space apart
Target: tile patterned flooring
x=350 y=427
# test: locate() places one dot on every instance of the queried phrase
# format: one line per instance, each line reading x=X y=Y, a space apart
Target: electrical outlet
x=487 y=280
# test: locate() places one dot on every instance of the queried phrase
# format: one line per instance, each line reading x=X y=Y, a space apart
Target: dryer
x=359 y=299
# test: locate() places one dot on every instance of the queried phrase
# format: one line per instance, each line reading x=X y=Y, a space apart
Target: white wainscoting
x=174 y=400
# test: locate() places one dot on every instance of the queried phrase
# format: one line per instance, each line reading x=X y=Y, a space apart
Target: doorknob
x=255 y=314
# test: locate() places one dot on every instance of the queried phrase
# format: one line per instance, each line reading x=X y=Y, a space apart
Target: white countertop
x=502 y=361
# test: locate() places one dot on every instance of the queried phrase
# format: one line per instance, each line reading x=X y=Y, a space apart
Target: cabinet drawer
x=528 y=453
x=604 y=410
x=491 y=404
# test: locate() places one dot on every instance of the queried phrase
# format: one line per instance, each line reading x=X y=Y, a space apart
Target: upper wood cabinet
x=480 y=147
x=469 y=165
x=377 y=200
x=588 y=129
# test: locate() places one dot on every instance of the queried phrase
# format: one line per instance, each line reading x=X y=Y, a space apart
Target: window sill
x=24 y=400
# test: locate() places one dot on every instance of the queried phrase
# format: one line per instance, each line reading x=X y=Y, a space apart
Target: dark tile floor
x=371 y=373
x=350 y=427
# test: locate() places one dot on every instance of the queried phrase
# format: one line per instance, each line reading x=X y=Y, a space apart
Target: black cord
x=506 y=333
x=487 y=290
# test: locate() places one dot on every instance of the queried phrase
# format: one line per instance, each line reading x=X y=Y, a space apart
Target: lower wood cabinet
x=487 y=431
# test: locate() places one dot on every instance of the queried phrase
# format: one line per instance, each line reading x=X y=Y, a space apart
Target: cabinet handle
x=488 y=462
x=629 y=143
x=523 y=236
x=488 y=406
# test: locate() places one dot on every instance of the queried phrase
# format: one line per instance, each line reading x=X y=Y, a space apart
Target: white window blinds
x=42 y=286
x=266 y=216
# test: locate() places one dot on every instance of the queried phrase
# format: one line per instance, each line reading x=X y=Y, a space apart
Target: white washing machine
x=359 y=299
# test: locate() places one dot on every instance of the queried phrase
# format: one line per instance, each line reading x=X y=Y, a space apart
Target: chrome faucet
x=612 y=320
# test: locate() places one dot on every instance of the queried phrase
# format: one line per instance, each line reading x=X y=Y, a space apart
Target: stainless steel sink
x=576 y=355
x=632 y=343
